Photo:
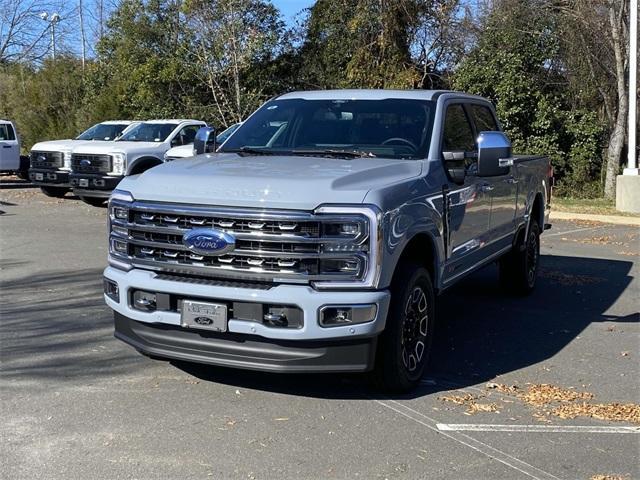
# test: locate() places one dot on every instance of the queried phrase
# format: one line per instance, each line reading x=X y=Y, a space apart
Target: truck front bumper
x=91 y=185
x=249 y=344
x=49 y=177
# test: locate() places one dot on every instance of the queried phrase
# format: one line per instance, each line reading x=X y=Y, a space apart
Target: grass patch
x=595 y=206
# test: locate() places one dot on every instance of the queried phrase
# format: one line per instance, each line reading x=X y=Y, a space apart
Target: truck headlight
x=351 y=243
x=118 y=218
x=119 y=163
x=66 y=160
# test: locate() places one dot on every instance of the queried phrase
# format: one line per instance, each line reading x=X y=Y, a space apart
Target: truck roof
x=372 y=94
x=172 y=120
x=4 y=122
x=118 y=122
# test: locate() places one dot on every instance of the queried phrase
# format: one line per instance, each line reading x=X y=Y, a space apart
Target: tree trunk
x=617 y=136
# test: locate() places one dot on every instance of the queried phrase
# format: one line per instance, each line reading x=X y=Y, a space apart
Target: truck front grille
x=269 y=245
x=48 y=160
x=85 y=163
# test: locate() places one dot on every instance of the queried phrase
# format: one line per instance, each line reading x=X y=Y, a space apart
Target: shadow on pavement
x=482 y=332
x=55 y=325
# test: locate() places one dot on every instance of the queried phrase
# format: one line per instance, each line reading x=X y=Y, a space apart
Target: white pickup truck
x=96 y=169
x=51 y=160
x=10 y=159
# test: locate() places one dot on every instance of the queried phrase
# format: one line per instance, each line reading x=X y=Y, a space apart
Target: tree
x=23 y=35
x=516 y=64
x=232 y=41
x=143 y=66
x=595 y=42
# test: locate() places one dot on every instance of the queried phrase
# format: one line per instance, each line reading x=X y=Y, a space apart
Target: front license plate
x=207 y=316
x=83 y=182
x=39 y=176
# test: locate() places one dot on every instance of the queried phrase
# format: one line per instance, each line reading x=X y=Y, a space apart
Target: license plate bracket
x=39 y=176
x=83 y=182
x=204 y=316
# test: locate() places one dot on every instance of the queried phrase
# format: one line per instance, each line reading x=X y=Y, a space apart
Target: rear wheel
x=57 y=192
x=519 y=269
x=405 y=345
x=94 y=201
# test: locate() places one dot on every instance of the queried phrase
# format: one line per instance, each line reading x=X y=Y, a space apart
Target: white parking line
x=479 y=427
x=547 y=235
x=481 y=447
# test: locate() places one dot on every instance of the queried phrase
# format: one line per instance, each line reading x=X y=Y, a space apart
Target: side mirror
x=205 y=141
x=492 y=148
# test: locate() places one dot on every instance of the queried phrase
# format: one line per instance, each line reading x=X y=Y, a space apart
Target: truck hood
x=228 y=179
x=130 y=148
x=58 y=145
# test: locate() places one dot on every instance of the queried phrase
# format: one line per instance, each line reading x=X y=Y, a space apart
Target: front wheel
x=94 y=201
x=518 y=269
x=56 y=192
x=405 y=345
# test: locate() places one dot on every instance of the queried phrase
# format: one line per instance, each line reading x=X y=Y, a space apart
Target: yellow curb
x=615 y=219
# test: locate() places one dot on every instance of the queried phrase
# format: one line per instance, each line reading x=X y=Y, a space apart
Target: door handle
x=510 y=180
x=6 y=146
x=486 y=187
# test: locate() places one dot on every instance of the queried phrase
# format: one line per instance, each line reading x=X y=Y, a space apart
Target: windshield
x=103 y=131
x=391 y=128
x=222 y=136
x=148 y=132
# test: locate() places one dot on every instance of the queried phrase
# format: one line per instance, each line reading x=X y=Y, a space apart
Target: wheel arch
x=142 y=164
x=420 y=249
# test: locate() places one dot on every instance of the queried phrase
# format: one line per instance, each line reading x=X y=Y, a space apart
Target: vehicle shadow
x=482 y=332
x=54 y=326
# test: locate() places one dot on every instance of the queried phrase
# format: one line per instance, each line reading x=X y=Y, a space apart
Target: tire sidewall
x=408 y=277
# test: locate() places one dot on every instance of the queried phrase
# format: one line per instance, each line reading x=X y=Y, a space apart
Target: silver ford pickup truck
x=318 y=237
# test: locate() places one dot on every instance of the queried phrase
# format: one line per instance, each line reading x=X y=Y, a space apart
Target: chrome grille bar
x=272 y=245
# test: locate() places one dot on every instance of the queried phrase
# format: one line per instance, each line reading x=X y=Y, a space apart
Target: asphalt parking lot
x=512 y=392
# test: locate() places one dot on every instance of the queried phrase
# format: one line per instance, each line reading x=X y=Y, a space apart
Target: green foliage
x=44 y=102
x=514 y=64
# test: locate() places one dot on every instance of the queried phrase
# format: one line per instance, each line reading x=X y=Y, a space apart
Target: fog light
x=144 y=300
x=111 y=290
x=336 y=315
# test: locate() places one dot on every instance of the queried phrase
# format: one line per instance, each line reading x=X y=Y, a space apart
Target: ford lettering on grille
x=208 y=241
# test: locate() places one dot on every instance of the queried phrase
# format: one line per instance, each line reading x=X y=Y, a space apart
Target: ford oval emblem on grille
x=203 y=320
x=85 y=163
x=42 y=158
x=208 y=241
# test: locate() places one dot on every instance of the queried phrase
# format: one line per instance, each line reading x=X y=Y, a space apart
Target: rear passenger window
x=458 y=135
x=483 y=118
x=6 y=132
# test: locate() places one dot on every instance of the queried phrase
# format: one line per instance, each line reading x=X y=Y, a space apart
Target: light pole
x=628 y=184
x=52 y=19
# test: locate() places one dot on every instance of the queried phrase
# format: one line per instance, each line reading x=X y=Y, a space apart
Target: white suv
x=96 y=169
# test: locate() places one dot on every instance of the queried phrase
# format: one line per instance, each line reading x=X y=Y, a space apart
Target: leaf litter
x=548 y=401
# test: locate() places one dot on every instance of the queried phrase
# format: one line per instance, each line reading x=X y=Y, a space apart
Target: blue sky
x=290 y=8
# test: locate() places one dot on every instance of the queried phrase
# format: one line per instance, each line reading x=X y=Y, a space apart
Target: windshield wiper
x=250 y=151
x=334 y=153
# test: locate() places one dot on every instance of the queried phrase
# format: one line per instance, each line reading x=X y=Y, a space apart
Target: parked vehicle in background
x=97 y=169
x=321 y=235
x=185 y=151
x=10 y=159
x=51 y=160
